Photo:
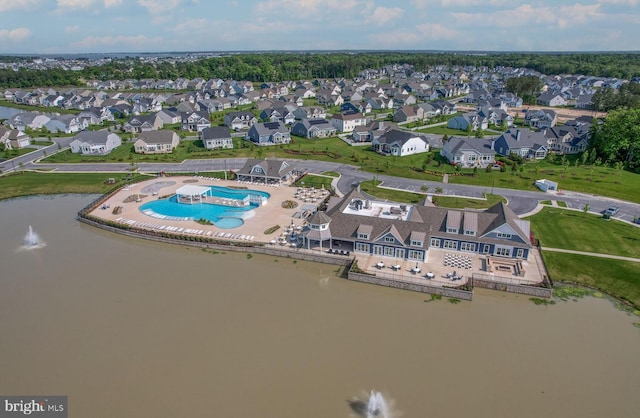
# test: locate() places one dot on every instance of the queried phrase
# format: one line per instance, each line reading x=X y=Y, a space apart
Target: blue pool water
x=222 y=216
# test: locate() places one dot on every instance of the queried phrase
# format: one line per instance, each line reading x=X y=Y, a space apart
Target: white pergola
x=192 y=192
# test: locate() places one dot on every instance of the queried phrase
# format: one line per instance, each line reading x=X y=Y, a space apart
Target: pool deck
x=253 y=229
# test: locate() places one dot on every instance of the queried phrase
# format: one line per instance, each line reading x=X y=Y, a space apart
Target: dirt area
x=564 y=114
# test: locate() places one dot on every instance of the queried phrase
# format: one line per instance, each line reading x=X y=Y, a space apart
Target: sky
x=101 y=26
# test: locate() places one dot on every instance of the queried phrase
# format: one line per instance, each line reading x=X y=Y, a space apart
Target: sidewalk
x=615 y=257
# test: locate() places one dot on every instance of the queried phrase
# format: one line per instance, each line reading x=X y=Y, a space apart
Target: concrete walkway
x=615 y=257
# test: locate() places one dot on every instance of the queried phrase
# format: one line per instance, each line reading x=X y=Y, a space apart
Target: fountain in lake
x=32 y=240
x=374 y=407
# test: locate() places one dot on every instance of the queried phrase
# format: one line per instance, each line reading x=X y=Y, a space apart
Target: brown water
x=128 y=328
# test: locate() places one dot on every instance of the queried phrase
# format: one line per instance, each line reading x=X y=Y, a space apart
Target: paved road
x=520 y=201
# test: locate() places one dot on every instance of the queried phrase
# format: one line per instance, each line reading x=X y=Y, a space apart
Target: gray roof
x=395 y=135
x=273 y=168
x=93 y=137
x=523 y=138
x=163 y=136
x=427 y=221
x=319 y=218
x=216 y=132
x=458 y=144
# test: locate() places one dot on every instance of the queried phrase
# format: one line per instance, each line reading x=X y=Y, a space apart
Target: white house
x=216 y=137
x=156 y=142
x=95 y=142
x=400 y=143
x=347 y=122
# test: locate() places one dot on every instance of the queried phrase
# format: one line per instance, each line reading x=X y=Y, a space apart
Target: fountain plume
x=375 y=406
x=32 y=240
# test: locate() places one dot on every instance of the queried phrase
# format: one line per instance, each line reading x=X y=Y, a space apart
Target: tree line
x=280 y=66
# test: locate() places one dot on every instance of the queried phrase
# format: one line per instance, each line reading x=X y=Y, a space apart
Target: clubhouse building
x=407 y=232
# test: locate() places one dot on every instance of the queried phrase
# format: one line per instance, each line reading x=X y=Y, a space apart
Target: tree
x=585 y=156
x=586 y=208
x=617 y=139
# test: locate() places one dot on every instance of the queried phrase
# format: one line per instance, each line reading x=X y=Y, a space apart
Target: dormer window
x=452 y=230
x=417 y=243
x=363 y=236
x=470 y=233
x=389 y=239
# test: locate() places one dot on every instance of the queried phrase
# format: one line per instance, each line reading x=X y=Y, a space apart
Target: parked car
x=611 y=211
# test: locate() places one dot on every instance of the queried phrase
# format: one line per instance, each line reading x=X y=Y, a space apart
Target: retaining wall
x=245 y=248
x=541 y=292
x=423 y=288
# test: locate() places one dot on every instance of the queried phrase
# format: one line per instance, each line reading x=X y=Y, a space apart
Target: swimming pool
x=222 y=216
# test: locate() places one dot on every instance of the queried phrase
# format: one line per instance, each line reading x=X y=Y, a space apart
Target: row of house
x=478 y=152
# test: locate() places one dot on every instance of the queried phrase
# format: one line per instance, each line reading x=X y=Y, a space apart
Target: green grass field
x=32 y=183
x=572 y=230
x=614 y=277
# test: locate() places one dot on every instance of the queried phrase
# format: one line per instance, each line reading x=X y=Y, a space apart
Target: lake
x=131 y=328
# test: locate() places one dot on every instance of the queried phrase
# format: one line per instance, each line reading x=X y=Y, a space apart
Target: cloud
x=8 y=5
x=192 y=25
x=74 y=4
x=625 y=2
x=309 y=7
x=71 y=29
x=382 y=15
x=112 y=3
x=468 y=3
x=521 y=16
x=14 y=35
x=119 y=43
x=155 y=7
x=436 y=31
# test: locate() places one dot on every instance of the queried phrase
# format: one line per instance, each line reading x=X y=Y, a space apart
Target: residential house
x=275 y=114
x=468 y=152
x=239 y=120
x=445 y=107
x=468 y=122
x=347 y=122
x=30 y=120
x=408 y=114
x=269 y=133
x=95 y=142
x=313 y=128
x=143 y=123
x=584 y=101
x=65 y=123
x=310 y=112
x=163 y=141
x=169 y=117
x=15 y=139
x=195 y=121
x=540 y=118
x=523 y=142
x=400 y=143
x=551 y=99
x=566 y=139
x=216 y=137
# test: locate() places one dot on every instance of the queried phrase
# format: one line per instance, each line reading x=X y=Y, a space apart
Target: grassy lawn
x=8 y=154
x=318 y=182
x=466 y=203
x=371 y=187
x=573 y=230
x=428 y=166
x=30 y=183
x=442 y=130
x=614 y=277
